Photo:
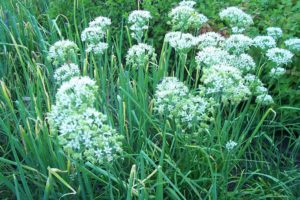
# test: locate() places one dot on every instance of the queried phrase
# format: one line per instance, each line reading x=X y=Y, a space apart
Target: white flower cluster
x=210 y=56
x=172 y=99
x=77 y=93
x=168 y=94
x=238 y=43
x=226 y=82
x=83 y=131
x=210 y=39
x=264 y=42
x=274 y=32
x=181 y=42
x=95 y=34
x=277 y=71
x=139 y=20
x=187 y=3
x=279 y=56
x=237 y=19
x=66 y=72
x=244 y=62
x=193 y=111
x=102 y=22
x=259 y=90
x=230 y=145
x=140 y=55
x=184 y=17
x=62 y=51
x=92 y=34
x=293 y=44
x=264 y=99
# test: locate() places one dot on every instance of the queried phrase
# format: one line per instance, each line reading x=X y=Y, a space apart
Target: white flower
x=279 y=56
x=102 y=22
x=264 y=99
x=184 y=17
x=264 y=42
x=92 y=34
x=244 y=62
x=139 y=20
x=191 y=111
x=79 y=92
x=62 y=51
x=237 y=30
x=210 y=56
x=238 y=43
x=236 y=18
x=66 y=72
x=98 y=48
x=274 y=32
x=187 y=3
x=210 y=39
x=83 y=131
x=140 y=55
x=226 y=81
x=293 y=44
x=95 y=34
x=85 y=135
x=277 y=71
x=181 y=42
x=168 y=93
x=255 y=85
x=230 y=145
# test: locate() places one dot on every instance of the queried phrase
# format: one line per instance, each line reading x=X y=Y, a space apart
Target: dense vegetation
x=173 y=132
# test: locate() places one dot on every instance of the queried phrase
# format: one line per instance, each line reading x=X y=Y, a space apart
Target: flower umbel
x=181 y=42
x=66 y=72
x=63 y=51
x=139 y=55
x=230 y=145
x=184 y=17
x=279 y=56
x=95 y=35
x=139 y=20
x=237 y=19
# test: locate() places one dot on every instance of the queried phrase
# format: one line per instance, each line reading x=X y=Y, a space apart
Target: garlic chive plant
x=181 y=42
x=279 y=56
x=204 y=117
x=95 y=35
x=264 y=42
x=63 y=51
x=139 y=23
x=185 y=17
x=174 y=101
x=225 y=82
x=66 y=72
x=210 y=39
x=83 y=131
x=293 y=44
x=274 y=32
x=237 y=19
x=140 y=55
x=210 y=56
x=238 y=44
x=168 y=94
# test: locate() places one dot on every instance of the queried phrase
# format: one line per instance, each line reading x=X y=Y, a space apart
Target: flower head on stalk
x=63 y=51
x=95 y=35
x=184 y=17
x=139 y=55
x=139 y=20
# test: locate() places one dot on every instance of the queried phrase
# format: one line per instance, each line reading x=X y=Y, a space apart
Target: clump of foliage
x=148 y=103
